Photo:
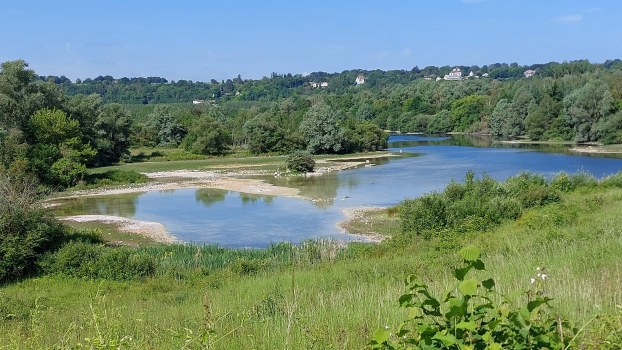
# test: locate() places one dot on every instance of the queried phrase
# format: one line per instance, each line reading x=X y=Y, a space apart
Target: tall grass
x=323 y=297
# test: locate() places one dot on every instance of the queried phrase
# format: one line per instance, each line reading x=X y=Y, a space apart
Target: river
x=240 y=220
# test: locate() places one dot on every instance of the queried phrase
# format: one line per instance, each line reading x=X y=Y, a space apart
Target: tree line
x=53 y=136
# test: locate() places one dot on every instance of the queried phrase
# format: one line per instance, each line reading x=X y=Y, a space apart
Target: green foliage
x=468 y=110
x=476 y=204
x=78 y=259
x=321 y=131
x=470 y=318
x=300 y=162
x=53 y=127
x=116 y=177
x=165 y=125
x=26 y=230
x=586 y=106
x=207 y=136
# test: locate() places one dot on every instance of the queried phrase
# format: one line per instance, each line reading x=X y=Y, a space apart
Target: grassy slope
x=333 y=305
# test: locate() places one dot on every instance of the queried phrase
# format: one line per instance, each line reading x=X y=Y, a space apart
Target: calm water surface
x=239 y=220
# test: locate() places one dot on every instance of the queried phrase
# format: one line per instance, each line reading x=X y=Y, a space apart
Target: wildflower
x=539 y=274
x=532 y=280
x=543 y=276
x=538 y=268
x=386 y=327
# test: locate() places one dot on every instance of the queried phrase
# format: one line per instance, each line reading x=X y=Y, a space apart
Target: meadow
x=321 y=295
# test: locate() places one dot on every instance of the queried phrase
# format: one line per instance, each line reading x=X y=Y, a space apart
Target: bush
x=478 y=204
x=77 y=259
x=26 y=230
x=300 y=162
x=470 y=317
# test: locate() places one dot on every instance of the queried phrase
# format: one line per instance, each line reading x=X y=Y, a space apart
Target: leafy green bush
x=77 y=259
x=117 y=177
x=26 y=230
x=300 y=162
x=475 y=204
x=469 y=318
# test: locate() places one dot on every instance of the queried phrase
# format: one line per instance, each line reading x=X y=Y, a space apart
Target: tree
x=586 y=107
x=262 y=134
x=321 y=131
x=539 y=122
x=365 y=112
x=112 y=131
x=467 y=110
x=440 y=123
x=59 y=157
x=207 y=136
x=162 y=121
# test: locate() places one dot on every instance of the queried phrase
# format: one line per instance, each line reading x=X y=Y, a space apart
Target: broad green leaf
x=468 y=287
x=410 y=279
x=470 y=253
x=466 y=347
x=469 y=326
x=536 y=303
x=447 y=339
x=461 y=273
x=504 y=310
x=494 y=346
x=479 y=265
x=489 y=284
x=405 y=299
x=380 y=336
x=487 y=336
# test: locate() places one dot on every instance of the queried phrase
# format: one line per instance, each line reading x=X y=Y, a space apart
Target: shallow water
x=238 y=220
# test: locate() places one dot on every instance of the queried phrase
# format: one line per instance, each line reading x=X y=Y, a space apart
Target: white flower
x=539 y=274
x=538 y=268
x=543 y=276
x=386 y=327
x=391 y=334
x=532 y=280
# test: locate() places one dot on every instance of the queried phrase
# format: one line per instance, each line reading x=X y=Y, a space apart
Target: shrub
x=77 y=259
x=469 y=318
x=26 y=231
x=300 y=162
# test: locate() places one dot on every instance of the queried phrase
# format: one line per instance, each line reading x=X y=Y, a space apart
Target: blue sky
x=200 y=40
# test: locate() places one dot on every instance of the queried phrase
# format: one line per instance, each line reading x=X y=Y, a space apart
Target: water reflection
x=254 y=220
x=116 y=205
x=209 y=196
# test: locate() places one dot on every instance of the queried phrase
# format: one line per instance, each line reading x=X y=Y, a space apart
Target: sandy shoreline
x=355 y=214
x=153 y=230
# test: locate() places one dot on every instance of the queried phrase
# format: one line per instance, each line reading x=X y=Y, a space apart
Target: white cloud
x=568 y=19
x=68 y=49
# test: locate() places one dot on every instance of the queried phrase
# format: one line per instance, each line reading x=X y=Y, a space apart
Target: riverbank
x=154 y=231
x=227 y=175
x=326 y=296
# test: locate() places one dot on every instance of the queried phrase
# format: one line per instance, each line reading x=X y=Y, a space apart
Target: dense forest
x=567 y=101
x=56 y=128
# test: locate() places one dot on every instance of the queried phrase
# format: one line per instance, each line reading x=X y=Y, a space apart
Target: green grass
x=219 y=163
x=326 y=303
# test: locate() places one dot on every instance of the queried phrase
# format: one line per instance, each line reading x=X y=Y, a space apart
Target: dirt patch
x=358 y=215
x=153 y=230
x=595 y=150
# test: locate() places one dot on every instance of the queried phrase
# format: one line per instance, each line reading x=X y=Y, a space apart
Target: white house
x=314 y=84
x=529 y=73
x=485 y=75
x=324 y=84
x=196 y=102
x=360 y=79
x=455 y=74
